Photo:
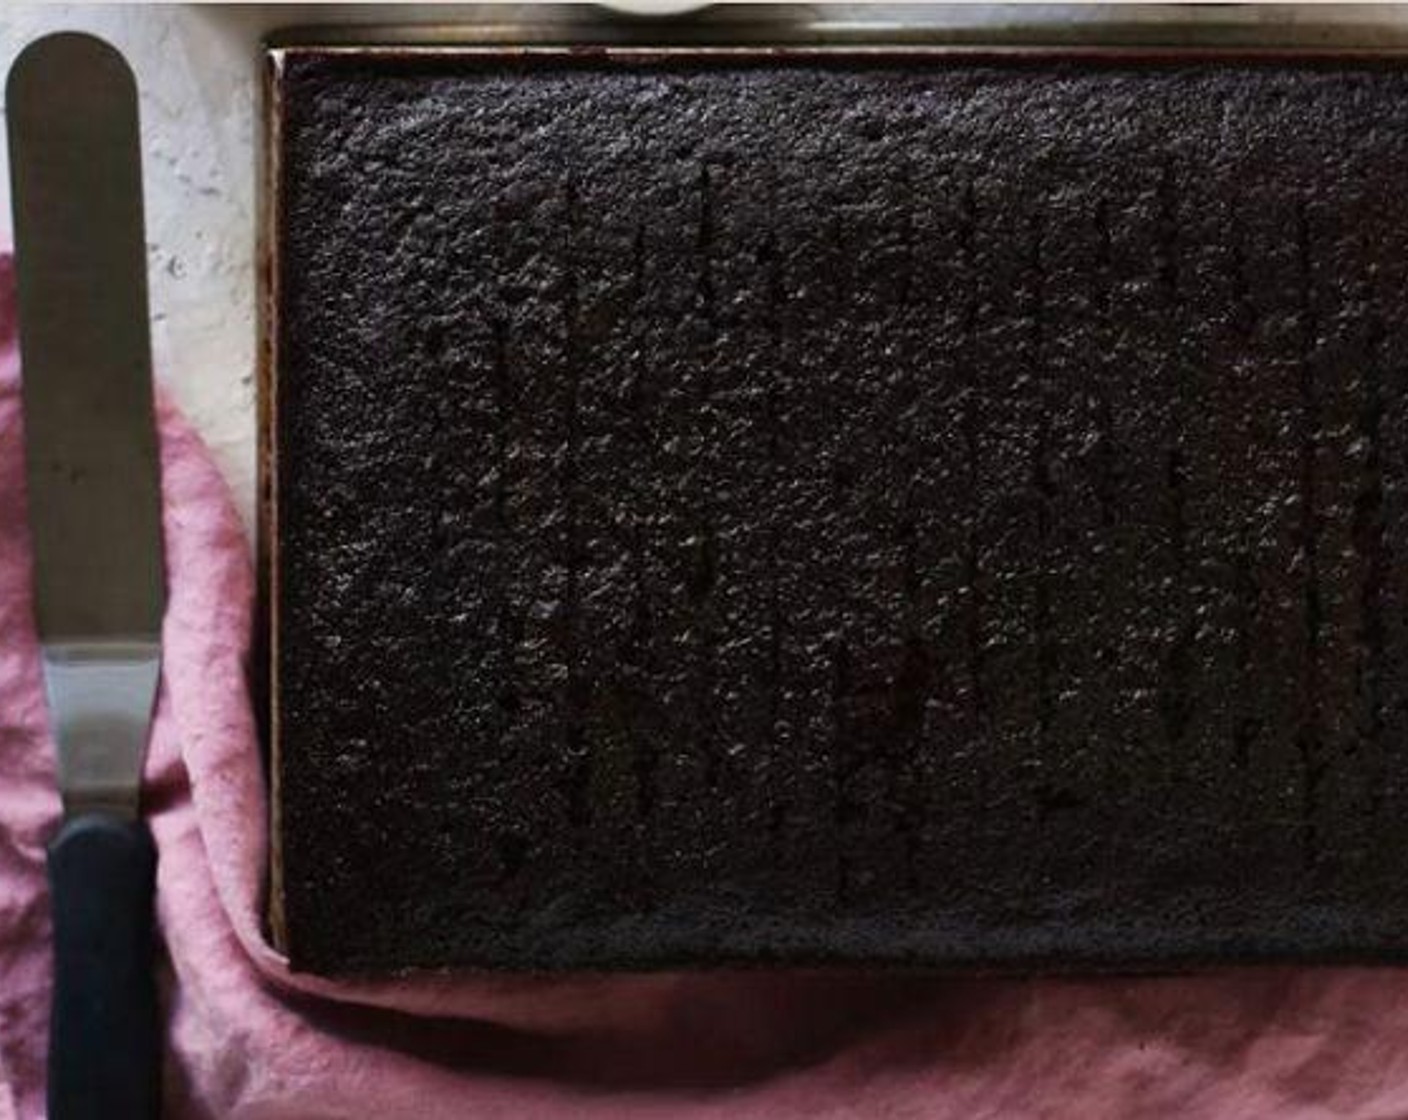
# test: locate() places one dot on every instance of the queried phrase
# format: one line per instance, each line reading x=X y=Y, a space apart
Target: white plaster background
x=198 y=70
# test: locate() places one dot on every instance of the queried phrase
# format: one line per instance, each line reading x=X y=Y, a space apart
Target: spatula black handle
x=104 y=1038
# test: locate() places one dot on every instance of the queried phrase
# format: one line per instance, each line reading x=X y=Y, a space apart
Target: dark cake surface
x=921 y=513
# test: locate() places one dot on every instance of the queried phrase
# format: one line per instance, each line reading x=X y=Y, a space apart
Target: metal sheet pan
x=1115 y=34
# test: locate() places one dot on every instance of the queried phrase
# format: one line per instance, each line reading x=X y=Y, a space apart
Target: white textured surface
x=198 y=94
x=197 y=67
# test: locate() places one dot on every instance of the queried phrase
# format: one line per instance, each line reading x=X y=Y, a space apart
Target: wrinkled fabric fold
x=248 y=1040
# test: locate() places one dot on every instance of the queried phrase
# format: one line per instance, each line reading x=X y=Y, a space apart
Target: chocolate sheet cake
x=826 y=510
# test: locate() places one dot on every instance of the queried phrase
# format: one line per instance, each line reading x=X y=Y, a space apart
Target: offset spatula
x=95 y=516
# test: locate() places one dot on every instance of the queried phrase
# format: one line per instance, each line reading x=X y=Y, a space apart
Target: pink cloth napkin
x=249 y=1040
